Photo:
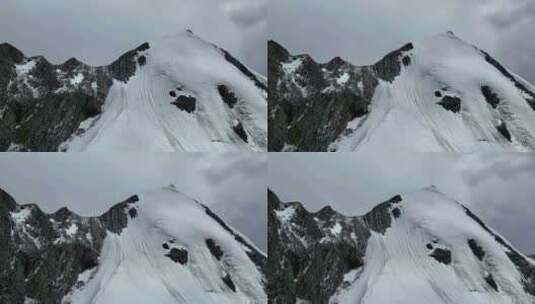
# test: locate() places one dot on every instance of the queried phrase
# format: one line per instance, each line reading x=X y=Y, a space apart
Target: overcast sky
x=232 y=184
x=363 y=31
x=497 y=187
x=98 y=31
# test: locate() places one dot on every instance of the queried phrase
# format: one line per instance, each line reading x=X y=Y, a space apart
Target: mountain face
x=439 y=94
x=405 y=250
x=178 y=93
x=156 y=247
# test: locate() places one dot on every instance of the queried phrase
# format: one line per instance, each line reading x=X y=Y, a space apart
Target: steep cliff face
x=177 y=93
x=44 y=254
x=438 y=94
x=158 y=246
x=405 y=249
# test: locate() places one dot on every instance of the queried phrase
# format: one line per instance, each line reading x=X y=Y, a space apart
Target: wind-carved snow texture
x=164 y=95
x=405 y=250
x=151 y=248
x=438 y=94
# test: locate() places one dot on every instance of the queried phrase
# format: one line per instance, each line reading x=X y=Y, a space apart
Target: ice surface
x=139 y=115
x=398 y=268
x=134 y=269
x=405 y=115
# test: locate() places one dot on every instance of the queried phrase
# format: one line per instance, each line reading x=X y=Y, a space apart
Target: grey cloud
x=98 y=31
x=247 y=13
x=363 y=31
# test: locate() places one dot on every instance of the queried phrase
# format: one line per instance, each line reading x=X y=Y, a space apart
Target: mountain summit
x=438 y=94
x=405 y=250
x=155 y=247
x=177 y=93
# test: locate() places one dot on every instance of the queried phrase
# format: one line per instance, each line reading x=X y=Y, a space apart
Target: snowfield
x=134 y=266
x=139 y=115
x=399 y=267
x=406 y=115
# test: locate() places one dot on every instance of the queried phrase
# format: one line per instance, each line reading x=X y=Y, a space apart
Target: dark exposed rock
x=406 y=60
x=379 y=218
x=42 y=122
x=132 y=212
x=518 y=84
x=490 y=96
x=165 y=246
x=313 y=121
x=125 y=67
x=396 y=212
x=228 y=96
x=236 y=63
x=228 y=281
x=526 y=268
x=389 y=67
x=71 y=64
x=46 y=272
x=438 y=94
x=10 y=53
x=476 y=249
x=142 y=60
x=502 y=128
x=451 y=103
x=185 y=103
x=258 y=258
x=441 y=255
x=172 y=93
x=215 y=249
x=178 y=255
x=115 y=219
x=238 y=129
x=311 y=273
x=490 y=280
x=429 y=246
x=325 y=213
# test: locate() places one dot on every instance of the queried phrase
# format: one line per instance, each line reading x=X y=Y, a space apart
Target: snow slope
x=138 y=115
x=399 y=261
x=405 y=115
x=421 y=247
x=133 y=266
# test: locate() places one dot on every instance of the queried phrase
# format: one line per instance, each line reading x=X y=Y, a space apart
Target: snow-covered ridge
x=437 y=94
x=175 y=93
x=408 y=245
x=158 y=246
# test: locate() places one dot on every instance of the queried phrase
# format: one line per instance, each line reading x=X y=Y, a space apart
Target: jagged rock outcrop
x=310 y=103
x=42 y=104
x=43 y=254
x=309 y=253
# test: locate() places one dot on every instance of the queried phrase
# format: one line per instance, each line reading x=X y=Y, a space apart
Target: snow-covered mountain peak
x=173 y=93
x=157 y=246
x=435 y=94
x=409 y=245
